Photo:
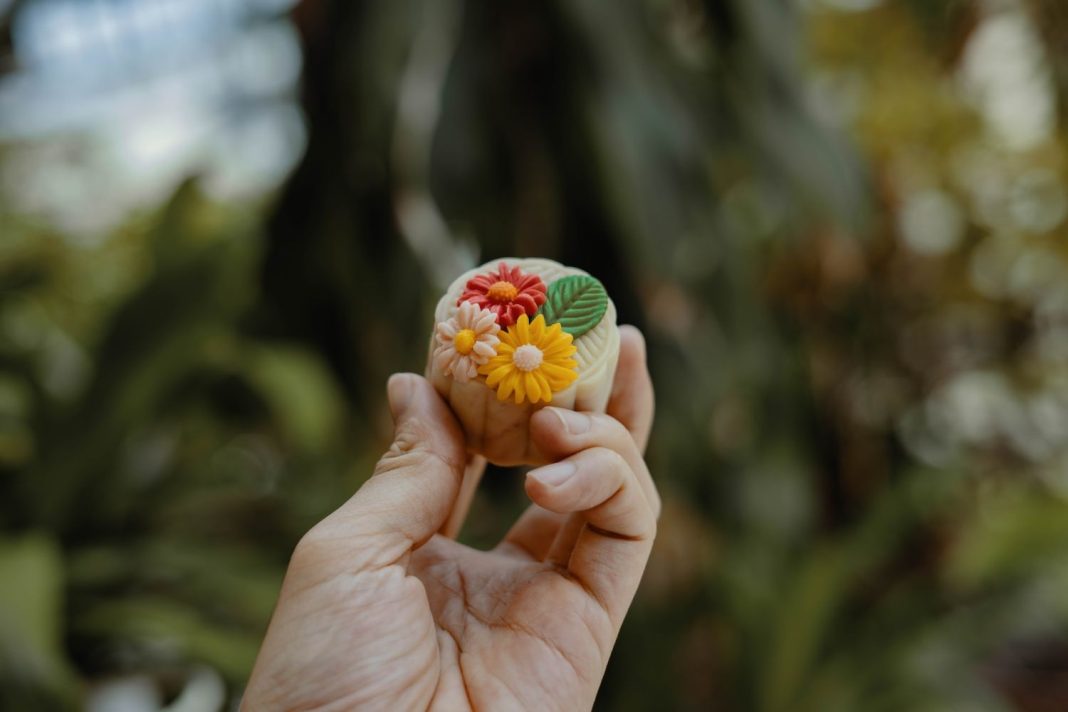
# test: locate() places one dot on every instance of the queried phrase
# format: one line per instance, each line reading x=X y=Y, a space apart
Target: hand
x=379 y=611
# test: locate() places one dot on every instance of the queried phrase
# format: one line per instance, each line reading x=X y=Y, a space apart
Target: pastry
x=513 y=336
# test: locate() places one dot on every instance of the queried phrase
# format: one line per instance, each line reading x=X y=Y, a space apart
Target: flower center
x=527 y=357
x=502 y=291
x=464 y=341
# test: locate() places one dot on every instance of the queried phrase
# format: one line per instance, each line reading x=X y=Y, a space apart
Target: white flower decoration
x=466 y=341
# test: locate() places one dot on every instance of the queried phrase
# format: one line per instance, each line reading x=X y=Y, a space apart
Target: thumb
x=414 y=484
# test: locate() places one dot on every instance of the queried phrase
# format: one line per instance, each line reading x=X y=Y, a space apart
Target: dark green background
x=860 y=435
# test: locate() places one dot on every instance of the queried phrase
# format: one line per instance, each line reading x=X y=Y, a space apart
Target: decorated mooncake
x=513 y=336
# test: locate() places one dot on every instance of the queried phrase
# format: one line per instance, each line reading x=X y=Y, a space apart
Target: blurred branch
x=333 y=248
x=1051 y=20
x=442 y=253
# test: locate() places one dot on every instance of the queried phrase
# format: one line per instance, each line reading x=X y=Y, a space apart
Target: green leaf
x=32 y=656
x=577 y=303
x=301 y=393
x=157 y=623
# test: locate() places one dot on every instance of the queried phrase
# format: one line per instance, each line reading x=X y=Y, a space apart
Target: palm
x=523 y=627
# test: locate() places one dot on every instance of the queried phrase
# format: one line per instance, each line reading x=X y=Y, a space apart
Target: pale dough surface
x=499 y=430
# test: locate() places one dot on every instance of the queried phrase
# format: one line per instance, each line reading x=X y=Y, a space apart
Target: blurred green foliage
x=848 y=261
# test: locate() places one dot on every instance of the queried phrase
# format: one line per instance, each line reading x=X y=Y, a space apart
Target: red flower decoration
x=508 y=293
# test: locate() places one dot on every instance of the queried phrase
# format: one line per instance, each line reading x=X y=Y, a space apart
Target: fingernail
x=574 y=422
x=399 y=391
x=555 y=474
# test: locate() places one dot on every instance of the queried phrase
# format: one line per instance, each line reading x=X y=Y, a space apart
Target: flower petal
x=462 y=370
x=556 y=371
x=522 y=329
x=543 y=385
x=443 y=362
x=507 y=386
x=520 y=389
x=507 y=338
x=556 y=344
x=496 y=374
x=526 y=301
x=537 y=330
x=552 y=342
x=484 y=350
x=558 y=353
x=472 y=368
x=532 y=387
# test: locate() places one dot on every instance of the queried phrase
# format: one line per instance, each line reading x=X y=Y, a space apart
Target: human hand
x=381 y=611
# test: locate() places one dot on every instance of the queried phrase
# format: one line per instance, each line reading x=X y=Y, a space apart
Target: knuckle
x=413 y=444
x=609 y=428
x=608 y=460
x=644 y=517
x=656 y=506
x=410 y=435
x=619 y=462
x=651 y=529
x=642 y=521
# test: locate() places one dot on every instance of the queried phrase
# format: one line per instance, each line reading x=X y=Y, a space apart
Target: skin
x=381 y=611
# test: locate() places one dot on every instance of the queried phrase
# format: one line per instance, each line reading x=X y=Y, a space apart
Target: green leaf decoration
x=577 y=303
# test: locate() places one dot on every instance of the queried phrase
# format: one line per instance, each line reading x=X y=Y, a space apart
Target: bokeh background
x=840 y=223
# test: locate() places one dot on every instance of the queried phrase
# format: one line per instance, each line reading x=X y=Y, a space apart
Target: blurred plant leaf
x=1015 y=537
x=302 y=394
x=32 y=622
x=169 y=631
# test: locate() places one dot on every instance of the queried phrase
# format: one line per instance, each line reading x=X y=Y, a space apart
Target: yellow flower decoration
x=533 y=361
